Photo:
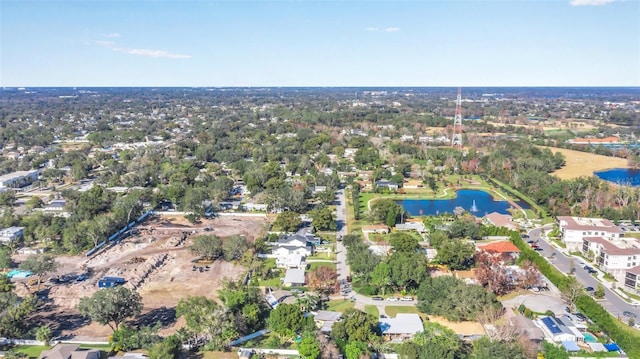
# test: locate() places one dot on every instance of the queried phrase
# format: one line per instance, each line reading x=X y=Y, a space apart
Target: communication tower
x=456 y=139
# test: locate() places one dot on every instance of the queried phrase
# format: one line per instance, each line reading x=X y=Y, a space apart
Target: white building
x=612 y=257
x=404 y=326
x=18 y=179
x=559 y=330
x=294 y=277
x=11 y=234
x=574 y=229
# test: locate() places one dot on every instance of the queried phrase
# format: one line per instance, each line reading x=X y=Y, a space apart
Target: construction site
x=154 y=260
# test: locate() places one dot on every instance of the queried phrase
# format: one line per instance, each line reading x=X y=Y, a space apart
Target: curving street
x=562 y=261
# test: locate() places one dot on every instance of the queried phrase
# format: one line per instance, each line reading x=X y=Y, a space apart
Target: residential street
x=561 y=260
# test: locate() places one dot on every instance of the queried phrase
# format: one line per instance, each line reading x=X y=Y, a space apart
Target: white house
x=255 y=207
x=411 y=226
x=612 y=257
x=291 y=251
x=559 y=330
x=404 y=326
x=11 y=234
x=574 y=229
x=294 y=277
x=390 y=185
x=500 y=220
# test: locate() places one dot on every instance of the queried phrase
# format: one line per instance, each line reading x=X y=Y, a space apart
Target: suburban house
x=375 y=228
x=500 y=220
x=276 y=297
x=69 y=351
x=294 y=277
x=324 y=320
x=290 y=251
x=559 y=330
x=390 y=185
x=403 y=327
x=613 y=257
x=262 y=207
x=11 y=234
x=417 y=226
x=574 y=229
x=507 y=251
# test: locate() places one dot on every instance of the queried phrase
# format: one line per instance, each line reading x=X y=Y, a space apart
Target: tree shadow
x=166 y=316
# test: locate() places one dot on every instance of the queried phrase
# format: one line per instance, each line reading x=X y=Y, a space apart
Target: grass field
x=393 y=310
x=314 y=265
x=372 y=309
x=339 y=305
x=580 y=164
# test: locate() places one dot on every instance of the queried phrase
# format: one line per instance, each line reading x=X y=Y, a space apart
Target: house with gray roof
x=404 y=326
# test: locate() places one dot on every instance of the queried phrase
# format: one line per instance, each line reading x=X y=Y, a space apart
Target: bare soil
x=580 y=164
x=156 y=262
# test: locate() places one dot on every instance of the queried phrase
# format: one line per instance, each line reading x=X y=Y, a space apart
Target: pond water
x=478 y=203
x=624 y=176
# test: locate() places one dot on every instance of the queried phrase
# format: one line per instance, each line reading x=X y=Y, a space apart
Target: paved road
x=612 y=302
x=341 y=220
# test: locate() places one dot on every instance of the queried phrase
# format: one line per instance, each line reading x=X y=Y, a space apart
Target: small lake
x=624 y=176
x=466 y=198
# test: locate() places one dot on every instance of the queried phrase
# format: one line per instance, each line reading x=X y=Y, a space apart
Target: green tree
x=485 y=348
x=457 y=254
x=39 y=265
x=43 y=334
x=309 y=348
x=209 y=247
x=355 y=349
x=234 y=247
x=385 y=211
x=5 y=257
x=356 y=325
x=207 y=318
x=323 y=219
x=285 y=320
x=403 y=242
x=381 y=277
x=168 y=348
x=553 y=351
x=288 y=221
x=599 y=292
x=111 y=306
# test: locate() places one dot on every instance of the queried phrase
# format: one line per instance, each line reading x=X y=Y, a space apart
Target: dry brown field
x=579 y=164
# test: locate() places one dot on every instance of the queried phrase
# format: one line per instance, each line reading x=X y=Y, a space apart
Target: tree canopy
x=111 y=306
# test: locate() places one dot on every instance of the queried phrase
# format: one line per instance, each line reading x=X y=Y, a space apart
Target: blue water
x=465 y=198
x=624 y=176
x=589 y=338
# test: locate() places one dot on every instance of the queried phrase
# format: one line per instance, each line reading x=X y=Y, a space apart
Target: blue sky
x=320 y=43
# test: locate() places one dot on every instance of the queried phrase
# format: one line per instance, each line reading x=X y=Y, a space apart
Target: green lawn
x=273 y=282
x=32 y=351
x=314 y=265
x=393 y=310
x=372 y=309
x=339 y=305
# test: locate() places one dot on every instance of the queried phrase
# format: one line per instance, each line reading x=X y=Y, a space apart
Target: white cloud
x=152 y=53
x=590 y=2
x=385 y=29
x=112 y=35
x=104 y=43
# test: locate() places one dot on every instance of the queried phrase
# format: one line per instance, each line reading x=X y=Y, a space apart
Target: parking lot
x=537 y=302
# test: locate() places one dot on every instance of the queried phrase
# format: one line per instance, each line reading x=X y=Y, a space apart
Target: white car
x=407 y=299
x=392 y=299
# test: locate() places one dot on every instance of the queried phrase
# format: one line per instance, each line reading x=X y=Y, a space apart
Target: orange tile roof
x=500 y=247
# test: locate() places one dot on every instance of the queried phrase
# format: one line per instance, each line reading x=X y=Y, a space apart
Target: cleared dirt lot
x=537 y=302
x=156 y=262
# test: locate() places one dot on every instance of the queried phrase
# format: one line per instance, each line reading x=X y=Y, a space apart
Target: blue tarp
x=571 y=346
x=612 y=347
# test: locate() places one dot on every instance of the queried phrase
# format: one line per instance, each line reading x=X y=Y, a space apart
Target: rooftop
x=403 y=323
x=499 y=247
x=294 y=276
x=588 y=224
x=610 y=248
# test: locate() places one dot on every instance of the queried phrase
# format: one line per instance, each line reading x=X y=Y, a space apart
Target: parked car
x=589 y=289
x=407 y=299
x=629 y=314
x=377 y=298
x=392 y=299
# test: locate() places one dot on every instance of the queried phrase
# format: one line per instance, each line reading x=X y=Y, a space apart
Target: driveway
x=537 y=302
